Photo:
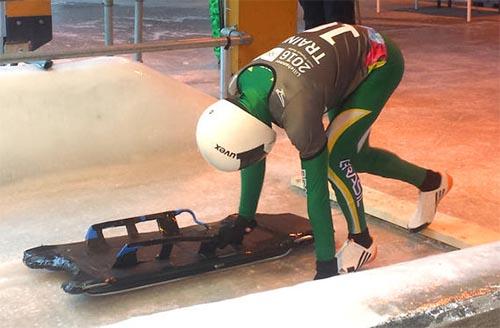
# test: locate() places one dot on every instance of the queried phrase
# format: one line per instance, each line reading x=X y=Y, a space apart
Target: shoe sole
x=419 y=228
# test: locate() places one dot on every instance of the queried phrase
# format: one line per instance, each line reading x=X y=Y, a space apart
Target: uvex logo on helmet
x=224 y=151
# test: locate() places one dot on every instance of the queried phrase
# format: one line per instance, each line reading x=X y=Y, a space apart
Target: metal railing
x=151 y=46
x=230 y=37
x=225 y=59
x=138 y=23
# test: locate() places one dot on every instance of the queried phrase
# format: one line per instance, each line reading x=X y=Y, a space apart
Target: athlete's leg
x=348 y=134
x=372 y=95
x=344 y=130
x=383 y=163
x=357 y=114
x=433 y=186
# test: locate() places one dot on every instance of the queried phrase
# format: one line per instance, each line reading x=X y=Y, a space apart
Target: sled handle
x=94 y=233
x=195 y=219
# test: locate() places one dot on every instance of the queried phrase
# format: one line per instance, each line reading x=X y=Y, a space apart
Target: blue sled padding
x=91 y=234
x=126 y=250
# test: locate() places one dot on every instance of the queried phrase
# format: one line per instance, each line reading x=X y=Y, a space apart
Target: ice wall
x=91 y=112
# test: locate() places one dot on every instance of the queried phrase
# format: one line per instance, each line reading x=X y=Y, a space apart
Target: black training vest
x=314 y=72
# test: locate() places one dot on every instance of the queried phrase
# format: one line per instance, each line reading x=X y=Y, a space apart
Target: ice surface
x=362 y=299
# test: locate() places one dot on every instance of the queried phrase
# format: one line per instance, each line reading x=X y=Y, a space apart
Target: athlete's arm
x=252 y=179
x=254 y=86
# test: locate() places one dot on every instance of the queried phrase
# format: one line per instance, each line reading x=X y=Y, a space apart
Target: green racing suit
x=347 y=72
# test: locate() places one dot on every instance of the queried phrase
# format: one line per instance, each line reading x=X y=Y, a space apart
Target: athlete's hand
x=232 y=231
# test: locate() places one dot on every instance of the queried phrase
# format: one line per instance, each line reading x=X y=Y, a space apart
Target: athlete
x=347 y=72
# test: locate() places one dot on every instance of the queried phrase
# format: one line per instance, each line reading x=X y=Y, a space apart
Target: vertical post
x=416 y=4
x=469 y=10
x=378 y=6
x=3 y=26
x=108 y=22
x=225 y=71
x=138 y=26
x=225 y=58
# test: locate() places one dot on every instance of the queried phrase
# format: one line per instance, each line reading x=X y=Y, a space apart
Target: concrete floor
x=445 y=114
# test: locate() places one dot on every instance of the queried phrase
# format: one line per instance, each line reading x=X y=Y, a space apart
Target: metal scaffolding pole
x=108 y=22
x=225 y=61
x=138 y=26
x=225 y=55
x=3 y=26
x=152 y=46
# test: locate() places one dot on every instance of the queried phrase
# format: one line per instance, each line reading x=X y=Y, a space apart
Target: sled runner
x=105 y=265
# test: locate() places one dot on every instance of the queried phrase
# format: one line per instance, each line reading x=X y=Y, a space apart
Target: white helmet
x=230 y=138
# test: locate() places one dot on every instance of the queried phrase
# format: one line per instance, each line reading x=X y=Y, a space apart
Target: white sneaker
x=427 y=204
x=352 y=256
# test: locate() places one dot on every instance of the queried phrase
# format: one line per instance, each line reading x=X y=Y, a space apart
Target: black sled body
x=102 y=265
